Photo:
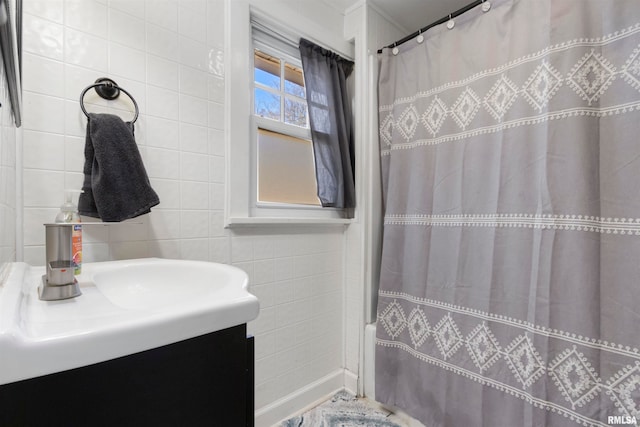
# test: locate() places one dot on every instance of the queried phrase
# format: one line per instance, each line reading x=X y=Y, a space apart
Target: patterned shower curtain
x=510 y=279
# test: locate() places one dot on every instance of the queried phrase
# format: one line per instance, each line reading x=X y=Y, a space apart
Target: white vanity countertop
x=125 y=307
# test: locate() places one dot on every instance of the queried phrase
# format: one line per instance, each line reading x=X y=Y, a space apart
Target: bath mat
x=345 y=410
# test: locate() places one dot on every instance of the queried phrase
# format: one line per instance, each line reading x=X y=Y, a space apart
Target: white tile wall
x=298 y=279
x=167 y=55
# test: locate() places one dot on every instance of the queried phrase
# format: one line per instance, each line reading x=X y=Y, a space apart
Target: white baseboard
x=301 y=400
x=314 y=394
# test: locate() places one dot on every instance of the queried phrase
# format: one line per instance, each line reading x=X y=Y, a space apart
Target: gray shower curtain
x=510 y=278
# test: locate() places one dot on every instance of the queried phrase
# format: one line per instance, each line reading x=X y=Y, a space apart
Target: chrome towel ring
x=109 y=90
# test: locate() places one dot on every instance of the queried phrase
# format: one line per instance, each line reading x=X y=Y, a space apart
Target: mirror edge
x=10 y=43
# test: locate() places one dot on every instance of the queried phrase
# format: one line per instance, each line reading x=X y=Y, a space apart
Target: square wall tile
x=195 y=168
x=192 y=23
x=162 y=42
x=162 y=72
x=193 y=110
x=194 y=249
x=193 y=82
x=85 y=49
x=88 y=16
x=163 y=13
x=43 y=113
x=43 y=150
x=194 y=224
x=264 y=271
x=127 y=62
x=163 y=133
x=43 y=37
x=195 y=195
x=42 y=75
x=164 y=224
x=126 y=29
x=43 y=188
x=263 y=247
x=193 y=53
x=163 y=103
x=193 y=138
x=162 y=163
x=241 y=249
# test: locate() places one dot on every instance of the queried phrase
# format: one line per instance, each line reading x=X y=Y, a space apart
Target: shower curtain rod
x=438 y=22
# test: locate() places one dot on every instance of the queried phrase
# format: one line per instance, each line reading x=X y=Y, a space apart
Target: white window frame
x=241 y=207
x=286 y=59
x=277 y=126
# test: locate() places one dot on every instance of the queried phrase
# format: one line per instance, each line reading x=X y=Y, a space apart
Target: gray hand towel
x=116 y=186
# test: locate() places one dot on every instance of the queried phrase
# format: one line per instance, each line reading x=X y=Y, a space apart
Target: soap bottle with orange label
x=69 y=214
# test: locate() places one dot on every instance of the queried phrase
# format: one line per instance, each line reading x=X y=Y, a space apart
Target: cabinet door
x=201 y=381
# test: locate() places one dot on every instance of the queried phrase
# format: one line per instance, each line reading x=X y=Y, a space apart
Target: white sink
x=125 y=307
x=155 y=285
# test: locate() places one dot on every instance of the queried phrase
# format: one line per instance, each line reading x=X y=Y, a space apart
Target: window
x=285 y=168
x=279 y=90
x=256 y=40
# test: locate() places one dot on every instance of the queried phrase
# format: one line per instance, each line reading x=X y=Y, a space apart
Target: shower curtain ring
x=420 y=38
x=395 y=49
x=450 y=24
x=486 y=5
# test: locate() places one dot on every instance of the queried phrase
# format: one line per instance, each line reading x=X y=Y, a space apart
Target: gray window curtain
x=325 y=75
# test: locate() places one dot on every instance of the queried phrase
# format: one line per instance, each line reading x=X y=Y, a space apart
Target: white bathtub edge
x=369 y=376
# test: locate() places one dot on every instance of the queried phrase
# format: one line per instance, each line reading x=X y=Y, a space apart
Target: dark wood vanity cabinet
x=202 y=381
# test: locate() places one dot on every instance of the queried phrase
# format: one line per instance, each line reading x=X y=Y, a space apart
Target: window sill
x=236 y=222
